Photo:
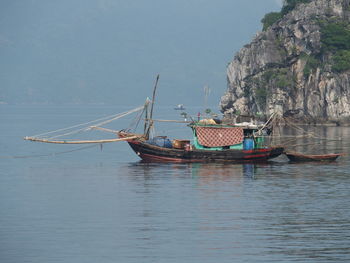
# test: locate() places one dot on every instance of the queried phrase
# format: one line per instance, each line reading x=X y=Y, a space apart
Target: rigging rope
x=120 y=116
x=135 y=123
x=96 y=126
x=310 y=134
x=106 y=119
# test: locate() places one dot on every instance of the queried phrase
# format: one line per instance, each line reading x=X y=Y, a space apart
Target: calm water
x=106 y=206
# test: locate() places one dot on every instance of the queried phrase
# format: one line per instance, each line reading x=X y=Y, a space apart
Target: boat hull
x=152 y=153
x=297 y=157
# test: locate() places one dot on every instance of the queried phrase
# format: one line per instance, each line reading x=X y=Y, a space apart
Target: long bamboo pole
x=80 y=142
x=175 y=121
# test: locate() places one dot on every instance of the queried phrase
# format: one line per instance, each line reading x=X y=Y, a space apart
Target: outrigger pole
x=80 y=141
x=149 y=120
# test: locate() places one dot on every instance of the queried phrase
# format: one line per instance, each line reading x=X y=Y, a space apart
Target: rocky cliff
x=300 y=63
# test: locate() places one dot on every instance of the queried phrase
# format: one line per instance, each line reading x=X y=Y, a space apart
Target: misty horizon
x=109 y=52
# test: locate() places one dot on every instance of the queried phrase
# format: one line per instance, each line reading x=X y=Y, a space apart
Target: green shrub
x=341 y=61
x=268 y=75
x=294 y=50
x=270 y=18
x=335 y=36
x=246 y=92
x=311 y=64
x=289 y=5
x=282 y=81
x=278 y=76
x=261 y=96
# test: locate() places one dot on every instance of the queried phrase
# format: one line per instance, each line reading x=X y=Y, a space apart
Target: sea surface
x=62 y=203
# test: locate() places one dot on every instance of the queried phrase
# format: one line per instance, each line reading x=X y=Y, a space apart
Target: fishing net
x=218 y=137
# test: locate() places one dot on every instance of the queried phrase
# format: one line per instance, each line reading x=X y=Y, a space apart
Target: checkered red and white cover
x=219 y=136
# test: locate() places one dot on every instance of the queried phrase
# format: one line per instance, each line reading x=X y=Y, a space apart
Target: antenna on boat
x=150 y=122
x=207 y=91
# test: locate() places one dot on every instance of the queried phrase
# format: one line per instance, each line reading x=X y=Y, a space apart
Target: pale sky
x=109 y=51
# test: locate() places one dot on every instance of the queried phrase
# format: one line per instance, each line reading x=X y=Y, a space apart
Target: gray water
x=105 y=205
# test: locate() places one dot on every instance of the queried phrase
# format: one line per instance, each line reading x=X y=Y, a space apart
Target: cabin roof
x=244 y=126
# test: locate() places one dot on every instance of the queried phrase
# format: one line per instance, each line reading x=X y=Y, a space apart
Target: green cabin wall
x=201 y=147
x=259 y=143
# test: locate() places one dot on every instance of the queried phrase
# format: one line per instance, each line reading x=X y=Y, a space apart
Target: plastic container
x=259 y=142
x=161 y=141
x=248 y=144
x=180 y=144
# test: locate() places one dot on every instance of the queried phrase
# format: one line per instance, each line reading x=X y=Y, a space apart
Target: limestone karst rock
x=290 y=67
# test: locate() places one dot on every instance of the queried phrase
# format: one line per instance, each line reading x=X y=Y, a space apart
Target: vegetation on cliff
x=335 y=43
x=335 y=38
x=301 y=61
x=272 y=17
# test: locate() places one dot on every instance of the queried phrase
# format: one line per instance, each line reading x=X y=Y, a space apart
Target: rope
x=99 y=124
x=104 y=129
x=135 y=123
x=71 y=127
x=109 y=119
x=310 y=134
x=265 y=124
x=120 y=116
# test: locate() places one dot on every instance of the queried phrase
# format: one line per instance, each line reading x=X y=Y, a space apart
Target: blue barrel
x=161 y=142
x=248 y=144
x=168 y=143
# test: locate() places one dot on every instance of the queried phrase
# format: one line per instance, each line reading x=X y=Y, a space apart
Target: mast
x=146 y=116
x=150 y=122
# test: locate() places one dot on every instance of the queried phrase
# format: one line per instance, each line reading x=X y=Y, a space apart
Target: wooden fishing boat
x=213 y=141
x=299 y=157
x=189 y=153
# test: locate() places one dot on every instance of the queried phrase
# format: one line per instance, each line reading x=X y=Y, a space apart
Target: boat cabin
x=218 y=137
x=210 y=134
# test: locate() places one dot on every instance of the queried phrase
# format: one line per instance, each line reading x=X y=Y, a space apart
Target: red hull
x=152 y=153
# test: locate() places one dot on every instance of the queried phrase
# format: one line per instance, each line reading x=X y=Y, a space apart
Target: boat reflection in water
x=203 y=171
x=217 y=171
